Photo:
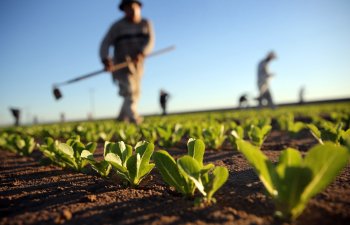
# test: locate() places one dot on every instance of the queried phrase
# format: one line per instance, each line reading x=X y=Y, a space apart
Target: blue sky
x=218 y=46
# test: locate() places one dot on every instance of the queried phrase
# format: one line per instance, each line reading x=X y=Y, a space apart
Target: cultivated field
x=202 y=168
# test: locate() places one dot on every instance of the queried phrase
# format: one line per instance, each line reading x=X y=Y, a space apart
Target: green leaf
x=116 y=162
x=207 y=168
x=91 y=147
x=78 y=148
x=315 y=132
x=145 y=150
x=103 y=167
x=66 y=150
x=49 y=141
x=126 y=154
x=190 y=168
x=169 y=170
x=288 y=202
x=265 y=130
x=20 y=143
x=217 y=179
x=325 y=162
x=288 y=158
x=293 y=178
x=66 y=154
x=87 y=155
x=196 y=149
x=263 y=167
x=345 y=137
x=108 y=146
x=133 y=166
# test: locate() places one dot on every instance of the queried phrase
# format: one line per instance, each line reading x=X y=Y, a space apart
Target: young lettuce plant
x=130 y=167
x=287 y=122
x=295 y=128
x=258 y=135
x=330 y=133
x=129 y=134
x=236 y=134
x=195 y=130
x=315 y=132
x=22 y=145
x=102 y=167
x=149 y=134
x=207 y=179
x=169 y=134
x=214 y=136
x=67 y=154
x=3 y=139
x=294 y=180
x=106 y=135
x=188 y=172
x=86 y=132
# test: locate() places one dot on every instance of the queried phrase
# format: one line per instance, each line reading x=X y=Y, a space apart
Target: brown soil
x=32 y=193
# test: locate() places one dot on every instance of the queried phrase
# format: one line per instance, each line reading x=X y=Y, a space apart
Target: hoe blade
x=57 y=93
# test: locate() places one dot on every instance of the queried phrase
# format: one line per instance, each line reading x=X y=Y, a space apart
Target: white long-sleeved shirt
x=263 y=76
x=127 y=39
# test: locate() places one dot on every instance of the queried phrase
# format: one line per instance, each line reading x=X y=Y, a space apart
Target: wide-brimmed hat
x=126 y=2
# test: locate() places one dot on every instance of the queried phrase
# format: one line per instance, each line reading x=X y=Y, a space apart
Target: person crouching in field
x=132 y=38
x=243 y=101
x=263 y=81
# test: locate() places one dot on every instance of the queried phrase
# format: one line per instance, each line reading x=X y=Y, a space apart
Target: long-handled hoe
x=57 y=93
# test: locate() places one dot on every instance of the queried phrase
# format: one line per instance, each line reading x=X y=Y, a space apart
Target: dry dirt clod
x=67 y=214
x=91 y=198
x=16 y=183
x=63 y=217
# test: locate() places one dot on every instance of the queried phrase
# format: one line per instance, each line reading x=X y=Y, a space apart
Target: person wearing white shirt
x=264 y=76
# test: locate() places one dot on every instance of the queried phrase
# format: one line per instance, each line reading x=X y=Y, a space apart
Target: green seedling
x=330 y=133
x=258 y=135
x=149 y=134
x=195 y=130
x=86 y=132
x=188 y=172
x=129 y=134
x=214 y=136
x=101 y=167
x=132 y=168
x=169 y=135
x=287 y=123
x=293 y=181
x=236 y=134
x=19 y=144
x=315 y=132
x=67 y=154
x=106 y=135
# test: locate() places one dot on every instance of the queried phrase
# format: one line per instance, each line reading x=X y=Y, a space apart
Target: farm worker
x=16 y=113
x=301 y=95
x=132 y=38
x=243 y=101
x=163 y=98
x=263 y=80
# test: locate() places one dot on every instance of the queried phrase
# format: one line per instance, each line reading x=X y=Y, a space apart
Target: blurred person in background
x=301 y=95
x=264 y=76
x=132 y=38
x=243 y=101
x=163 y=99
x=16 y=113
